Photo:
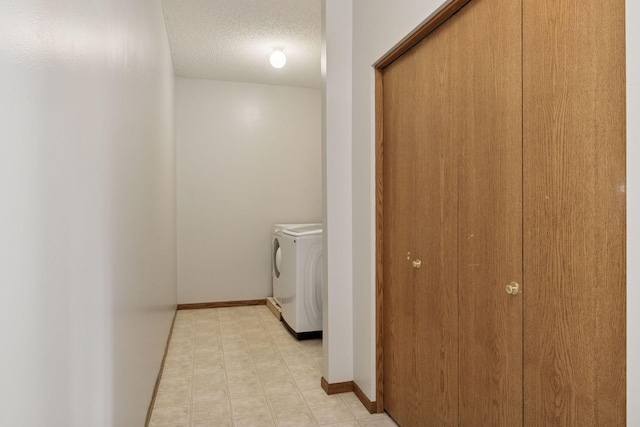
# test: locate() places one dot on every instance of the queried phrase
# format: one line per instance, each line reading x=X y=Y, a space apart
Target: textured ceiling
x=232 y=39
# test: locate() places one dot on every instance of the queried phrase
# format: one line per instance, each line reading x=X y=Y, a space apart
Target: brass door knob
x=417 y=263
x=512 y=288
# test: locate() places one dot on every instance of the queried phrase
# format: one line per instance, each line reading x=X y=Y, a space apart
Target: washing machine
x=301 y=257
x=276 y=257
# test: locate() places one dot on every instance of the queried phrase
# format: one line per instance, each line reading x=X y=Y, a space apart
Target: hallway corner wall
x=87 y=223
x=337 y=286
x=248 y=156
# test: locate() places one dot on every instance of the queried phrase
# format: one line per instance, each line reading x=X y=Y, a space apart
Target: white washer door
x=277 y=258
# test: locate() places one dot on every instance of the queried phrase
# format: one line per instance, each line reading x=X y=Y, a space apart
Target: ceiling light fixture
x=278 y=58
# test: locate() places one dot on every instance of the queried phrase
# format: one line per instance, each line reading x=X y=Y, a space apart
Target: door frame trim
x=429 y=25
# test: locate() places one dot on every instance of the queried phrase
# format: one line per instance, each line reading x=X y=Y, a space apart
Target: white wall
x=336 y=143
x=87 y=215
x=377 y=26
x=633 y=212
x=249 y=156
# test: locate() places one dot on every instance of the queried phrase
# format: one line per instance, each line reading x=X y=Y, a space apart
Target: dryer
x=301 y=269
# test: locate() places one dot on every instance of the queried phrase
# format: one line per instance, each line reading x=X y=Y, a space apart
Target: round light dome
x=278 y=59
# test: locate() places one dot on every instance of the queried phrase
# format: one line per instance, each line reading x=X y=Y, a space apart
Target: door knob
x=417 y=263
x=512 y=288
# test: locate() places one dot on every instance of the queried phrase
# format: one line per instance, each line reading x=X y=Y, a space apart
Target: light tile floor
x=240 y=367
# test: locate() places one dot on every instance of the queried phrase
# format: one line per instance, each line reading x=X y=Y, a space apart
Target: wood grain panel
x=436 y=227
x=574 y=212
x=420 y=167
x=486 y=96
x=399 y=207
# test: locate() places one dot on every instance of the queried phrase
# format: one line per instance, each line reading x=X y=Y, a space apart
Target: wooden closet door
x=574 y=212
x=488 y=100
x=420 y=309
x=452 y=130
x=400 y=357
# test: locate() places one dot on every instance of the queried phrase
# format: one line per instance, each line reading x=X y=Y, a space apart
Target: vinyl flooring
x=240 y=367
